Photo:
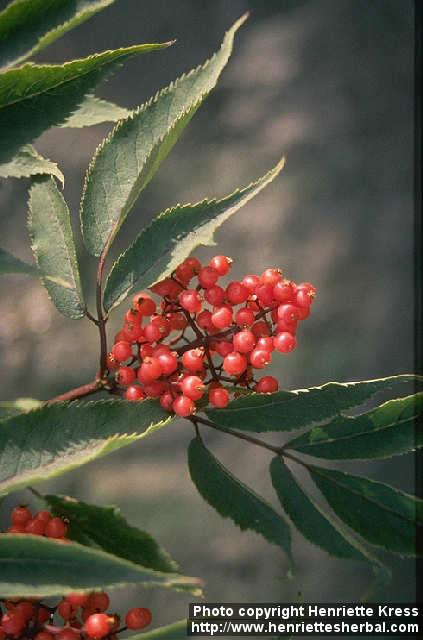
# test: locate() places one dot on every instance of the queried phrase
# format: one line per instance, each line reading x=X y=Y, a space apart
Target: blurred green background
x=328 y=83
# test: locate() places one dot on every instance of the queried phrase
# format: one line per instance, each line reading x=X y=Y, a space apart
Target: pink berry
x=190 y=300
x=222 y=318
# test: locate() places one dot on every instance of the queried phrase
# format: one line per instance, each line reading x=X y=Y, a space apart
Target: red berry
x=166 y=401
x=219 y=397
x=221 y=264
x=43 y=614
x=44 y=635
x=235 y=363
x=259 y=358
x=283 y=291
x=111 y=361
x=134 y=393
x=221 y=318
x=303 y=312
x=244 y=316
x=125 y=376
x=25 y=608
x=177 y=321
x=291 y=327
x=168 y=288
x=77 y=599
x=150 y=370
x=138 y=618
x=13 y=622
x=267 y=384
x=183 y=406
x=16 y=528
x=271 y=276
x=67 y=634
x=207 y=277
x=35 y=527
x=204 y=320
x=284 y=342
x=98 y=601
x=192 y=387
x=152 y=332
x=168 y=362
x=56 y=528
x=190 y=300
x=20 y=515
x=132 y=316
x=237 y=293
x=244 y=341
x=251 y=282
x=131 y=332
x=44 y=516
x=193 y=359
x=66 y=610
x=264 y=293
x=194 y=263
x=162 y=324
x=266 y=342
x=184 y=272
x=97 y=625
x=146 y=351
x=144 y=304
x=260 y=329
x=215 y=295
x=223 y=347
x=288 y=312
x=121 y=351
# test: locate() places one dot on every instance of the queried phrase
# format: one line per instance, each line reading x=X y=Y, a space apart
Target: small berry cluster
x=78 y=616
x=222 y=335
x=41 y=523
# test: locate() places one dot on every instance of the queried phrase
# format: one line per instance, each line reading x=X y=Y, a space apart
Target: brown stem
x=237 y=434
x=78 y=392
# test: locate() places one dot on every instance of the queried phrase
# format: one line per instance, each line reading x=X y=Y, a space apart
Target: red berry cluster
x=78 y=616
x=41 y=523
x=202 y=335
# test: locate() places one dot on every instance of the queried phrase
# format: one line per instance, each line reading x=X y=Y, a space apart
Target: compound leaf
x=129 y=157
x=38 y=566
x=107 y=528
x=382 y=515
x=28 y=162
x=28 y=26
x=10 y=264
x=172 y=236
x=34 y=98
x=53 y=246
x=233 y=499
x=288 y=410
x=386 y=431
x=54 y=439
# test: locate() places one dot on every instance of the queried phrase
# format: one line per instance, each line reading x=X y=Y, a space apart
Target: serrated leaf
x=10 y=264
x=28 y=26
x=54 y=439
x=10 y=408
x=172 y=236
x=94 y=111
x=53 y=246
x=28 y=162
x=288 y=410
x=175 y=631
x=129 y=157
x=34 y=98
x=233 y=499
x=380 y=514
x=388 y=430
x=106 y=527
x=38 y=566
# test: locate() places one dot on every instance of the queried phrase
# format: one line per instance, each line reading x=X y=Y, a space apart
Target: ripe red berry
x=222 y=317
x=259 y=358
x=284 y=342
x=219 y=397
x=184 y=272
x=43 y=615
x=177 y=321
x=77 y=599
x=193 y=359
x=121 y=351
x=190 y=300
x=97 y=625
x=183 y=406
x=244 y=341
x=155 y=388
x=56 y=528
x=215 y=295
x=44 y=635
x=265 y=342
x=221 y=264
x=20 y=515
x=207 y=277
x=66 y=610
x=138 y=618
x=288 y=312
x=35 y=527
x=12 y=622
x=244 y=316
x=45 y=516
x=237 y=293
x=271 y=276
x=235 y=363
x=264 y=293
x=144 y=304
x=168 y=288
x=251 y=282
x=194 y=263
x=223 y=347
x=204 y=320
x=192 y=387
x=283 y=291
x=25 y=608
x=260 y=329
x=134 y=393
x=150 y=370
x=125 y=376
x=166 y=401
x=98 y=601
x=67 y=634
x=111 y=361
x=131 y=332
x=267 y=384
x=168 y=362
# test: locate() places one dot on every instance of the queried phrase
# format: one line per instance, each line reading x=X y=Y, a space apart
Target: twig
x=237 y=434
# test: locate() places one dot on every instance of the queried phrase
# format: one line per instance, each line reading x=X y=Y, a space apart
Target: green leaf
x=34 y=98
x=129 y=157
x=53 y=246
x=384 y=516
x=288 y=410
x=28 y=26
x=95 y=111
x=175 y=631
x=28 y=162
x=54 y=439
x=10 y=408
x=386 y=431
x=233 y=499
x=11 y=264
x=37 y=566
x=172 y=236
x=107 y=528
